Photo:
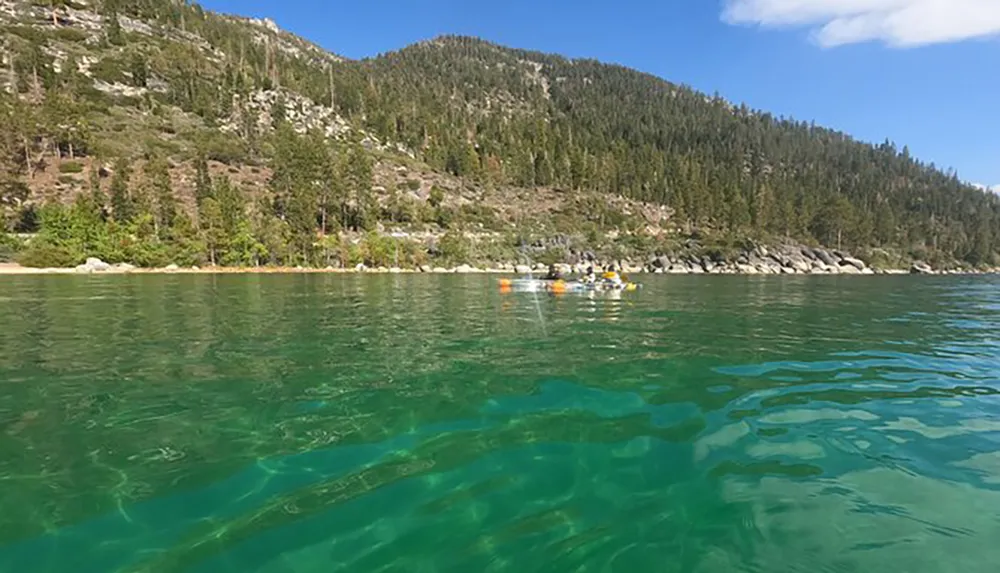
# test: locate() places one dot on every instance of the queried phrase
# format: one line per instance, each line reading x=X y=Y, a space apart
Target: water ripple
x=314 y=423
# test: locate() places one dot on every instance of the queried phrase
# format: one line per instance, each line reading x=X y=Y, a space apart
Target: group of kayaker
x=609 y=280
x=610 y=275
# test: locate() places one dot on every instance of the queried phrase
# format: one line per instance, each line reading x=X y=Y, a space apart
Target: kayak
x=561 y=286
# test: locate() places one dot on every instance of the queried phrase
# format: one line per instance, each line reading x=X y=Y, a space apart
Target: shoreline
x=14 y=269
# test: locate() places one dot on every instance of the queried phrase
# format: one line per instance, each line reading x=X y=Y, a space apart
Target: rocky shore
x=786 y=260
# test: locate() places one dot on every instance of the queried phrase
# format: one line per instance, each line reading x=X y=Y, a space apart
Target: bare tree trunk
x=36 y=85
x=27 y=158
x=333 y=97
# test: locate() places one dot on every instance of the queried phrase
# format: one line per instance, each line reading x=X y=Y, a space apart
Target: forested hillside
x=153 y=131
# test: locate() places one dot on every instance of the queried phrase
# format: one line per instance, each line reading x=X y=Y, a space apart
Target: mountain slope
x=586 y=124
x=165 y=82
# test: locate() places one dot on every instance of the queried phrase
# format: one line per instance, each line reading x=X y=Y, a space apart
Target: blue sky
x=922 y=73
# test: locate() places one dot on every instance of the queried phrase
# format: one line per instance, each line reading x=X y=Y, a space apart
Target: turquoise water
x=404 y=423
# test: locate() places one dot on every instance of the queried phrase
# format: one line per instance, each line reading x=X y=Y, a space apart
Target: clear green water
x=334 y=423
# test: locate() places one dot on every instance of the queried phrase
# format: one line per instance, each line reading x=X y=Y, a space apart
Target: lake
x=316 y=423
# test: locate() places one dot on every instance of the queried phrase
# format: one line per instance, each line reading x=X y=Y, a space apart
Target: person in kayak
x=590 y=277
x=612 y=277
x=554 y=274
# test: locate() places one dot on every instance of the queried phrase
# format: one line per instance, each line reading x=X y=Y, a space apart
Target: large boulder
x=769 y=267
x=921 y=268
x=93 y=265
x=464 y=269
x=826 y=257
x=801 y=265
x=630 y=267
x=522 y=269
x=856 y=263
x=679 y=268
x=97 y=265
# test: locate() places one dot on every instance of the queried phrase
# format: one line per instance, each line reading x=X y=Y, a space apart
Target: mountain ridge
x=163 y=80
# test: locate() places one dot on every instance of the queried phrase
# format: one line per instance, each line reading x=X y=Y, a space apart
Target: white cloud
x=899 y=23
x=994 y=188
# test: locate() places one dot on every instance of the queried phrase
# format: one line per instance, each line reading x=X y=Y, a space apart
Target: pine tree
x=739 y=212
x=139 y=70
x=122 y=206
x=232 y=204
x=112 y=27
x=212 y=231
x=835 y=218
x=885 y=224
x=244 y=249
x=357 y=175
x=982 y=251
x=202 y=180
x=158 y=175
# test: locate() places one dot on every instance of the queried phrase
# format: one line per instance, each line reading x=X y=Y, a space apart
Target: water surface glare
x=316 y=423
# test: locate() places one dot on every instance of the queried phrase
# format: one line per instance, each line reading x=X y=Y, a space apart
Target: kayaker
x=612 y=277
x=590 y=277
x=554 y=274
